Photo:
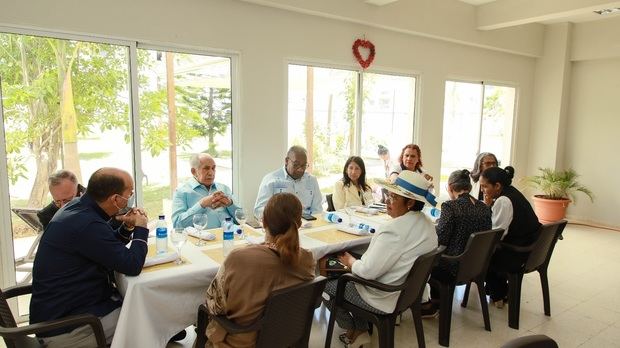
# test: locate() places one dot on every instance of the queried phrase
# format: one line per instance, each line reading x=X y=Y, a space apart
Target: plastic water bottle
x=228 y=237
x=365 y=227
x=332 y=217
x=161 y=235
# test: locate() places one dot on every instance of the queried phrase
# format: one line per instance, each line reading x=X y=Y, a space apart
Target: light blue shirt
x=186 y=203
x=306 y=189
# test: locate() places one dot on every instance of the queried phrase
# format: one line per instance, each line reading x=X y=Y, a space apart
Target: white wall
x=265 y=39
x=593 y=138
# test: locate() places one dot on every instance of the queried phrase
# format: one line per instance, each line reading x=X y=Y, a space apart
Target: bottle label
x=229 y=235
x=161 y=232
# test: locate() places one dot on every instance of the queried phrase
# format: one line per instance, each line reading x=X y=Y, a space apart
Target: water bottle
x=161 y=235
x=332 y=217
x=239 y=232
x=365 y=227
x=228 y=237
x=432 y=212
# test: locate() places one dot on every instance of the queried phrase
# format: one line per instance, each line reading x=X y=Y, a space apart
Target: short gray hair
x=297 y=150
x=194 y=160
x=58 y=176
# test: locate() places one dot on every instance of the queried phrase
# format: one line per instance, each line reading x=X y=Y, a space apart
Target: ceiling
x=516 y=12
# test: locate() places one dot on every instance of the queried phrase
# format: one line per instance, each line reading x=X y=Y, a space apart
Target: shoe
x=359 y=341
x=429 y=310
x=499 y=304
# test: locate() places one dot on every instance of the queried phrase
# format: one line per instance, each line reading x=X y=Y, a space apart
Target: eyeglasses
x=61 y=202
x=297 y=166
x=392 y=197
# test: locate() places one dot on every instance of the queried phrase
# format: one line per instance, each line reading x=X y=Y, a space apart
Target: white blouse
x=502 y=213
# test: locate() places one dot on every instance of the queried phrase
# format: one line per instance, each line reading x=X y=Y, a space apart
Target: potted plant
x=559 y=188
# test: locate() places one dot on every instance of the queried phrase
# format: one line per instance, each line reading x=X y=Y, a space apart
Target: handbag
x=330 y=267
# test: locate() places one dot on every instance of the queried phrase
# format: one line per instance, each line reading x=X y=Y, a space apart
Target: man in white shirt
x=291 y=178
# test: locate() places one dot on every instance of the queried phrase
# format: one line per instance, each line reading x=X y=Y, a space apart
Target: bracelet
x=129 y=229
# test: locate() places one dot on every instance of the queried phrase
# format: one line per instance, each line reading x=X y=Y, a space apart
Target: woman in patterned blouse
x=460 y=217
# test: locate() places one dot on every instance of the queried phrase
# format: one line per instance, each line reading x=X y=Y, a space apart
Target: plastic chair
x=410 y=294
x=286 y=321
x=532 y=341
x=538 y=260
x=330 y=202
x=473 y=263
x=25 y=263
x=17 y=337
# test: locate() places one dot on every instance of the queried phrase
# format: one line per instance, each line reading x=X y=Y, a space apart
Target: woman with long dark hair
x=250 y=274
x=352 y=189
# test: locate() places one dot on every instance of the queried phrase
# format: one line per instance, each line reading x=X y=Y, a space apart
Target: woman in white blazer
x=390 y=255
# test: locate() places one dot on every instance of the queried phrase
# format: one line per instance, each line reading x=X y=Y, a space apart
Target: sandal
x=358 y=342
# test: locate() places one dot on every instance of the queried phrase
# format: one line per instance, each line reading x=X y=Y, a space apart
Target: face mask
x=130 y=203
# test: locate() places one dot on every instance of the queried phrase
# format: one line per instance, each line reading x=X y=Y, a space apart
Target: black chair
x=538 y=260
x=17 y=337
x=410 y=293
x=532 y=341
x=286 y=321
x=472 y=263
x=330 y=202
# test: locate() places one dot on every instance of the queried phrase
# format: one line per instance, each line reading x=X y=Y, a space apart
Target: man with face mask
x=72 y=272
x=292 y=179
x=201 y=194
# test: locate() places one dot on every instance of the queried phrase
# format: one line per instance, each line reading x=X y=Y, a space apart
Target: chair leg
x=445 y=314
x=386 y=332
x=330 y=327
x=483 y=304
x=514 y=299
x=416 y=312
x=544 y=282
x=466 y=295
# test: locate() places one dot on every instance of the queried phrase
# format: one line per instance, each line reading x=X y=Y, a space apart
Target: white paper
x=161 y=258
x=191 y=231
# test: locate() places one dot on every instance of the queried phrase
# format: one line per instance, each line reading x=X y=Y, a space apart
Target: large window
x=337 y=113
x=478 y=117
x=70 y=104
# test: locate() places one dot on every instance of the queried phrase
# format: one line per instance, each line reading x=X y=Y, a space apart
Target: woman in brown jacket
x=250 y=274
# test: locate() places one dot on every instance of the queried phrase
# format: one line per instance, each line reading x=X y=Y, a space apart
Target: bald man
x=78 y=253
x=201 y=194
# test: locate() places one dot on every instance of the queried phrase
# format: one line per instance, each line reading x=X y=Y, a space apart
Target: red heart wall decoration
x=364 y=63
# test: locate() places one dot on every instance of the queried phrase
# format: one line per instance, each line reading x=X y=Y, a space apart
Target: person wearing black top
x=460 y=217
x=73 y=268
x=63 y=186
x=513 y=213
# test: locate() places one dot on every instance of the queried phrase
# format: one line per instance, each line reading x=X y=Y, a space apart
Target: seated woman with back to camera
x=250 y=274
x=352 y=189
x=512 y=212
x=461 y=216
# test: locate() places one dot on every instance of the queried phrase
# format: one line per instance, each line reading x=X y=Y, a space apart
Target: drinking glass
x=178 y=237
x=200 y=222
x=241 y=218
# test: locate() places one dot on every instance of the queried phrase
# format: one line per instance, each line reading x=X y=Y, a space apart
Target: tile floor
x=584 y=279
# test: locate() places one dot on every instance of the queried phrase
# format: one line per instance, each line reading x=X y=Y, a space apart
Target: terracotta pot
x=550 y=210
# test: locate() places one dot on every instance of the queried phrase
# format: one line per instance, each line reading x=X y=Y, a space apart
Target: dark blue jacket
x=73 y=266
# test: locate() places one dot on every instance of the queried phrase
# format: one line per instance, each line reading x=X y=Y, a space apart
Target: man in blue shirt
x=293 y=179
x=73 y=268
x=201 y=194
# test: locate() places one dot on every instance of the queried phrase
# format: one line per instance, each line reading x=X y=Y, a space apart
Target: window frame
x=7 y=270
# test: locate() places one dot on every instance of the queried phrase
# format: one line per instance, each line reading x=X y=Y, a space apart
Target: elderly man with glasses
x=63 y=186
x=291 y=178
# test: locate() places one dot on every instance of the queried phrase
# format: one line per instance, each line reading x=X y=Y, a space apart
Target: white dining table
x=160 y=302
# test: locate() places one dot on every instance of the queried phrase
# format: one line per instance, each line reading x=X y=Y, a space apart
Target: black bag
x=330 y=267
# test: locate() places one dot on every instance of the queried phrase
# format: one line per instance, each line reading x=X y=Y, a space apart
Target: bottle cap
x=162 y=217
x=228 y=219
x=339 y=220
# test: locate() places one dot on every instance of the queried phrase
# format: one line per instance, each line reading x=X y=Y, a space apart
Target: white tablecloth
x=160 y=303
